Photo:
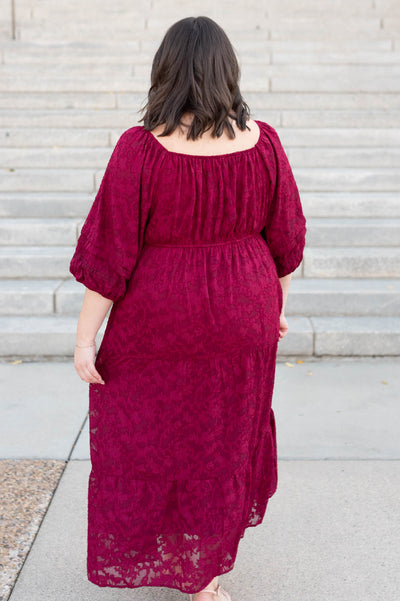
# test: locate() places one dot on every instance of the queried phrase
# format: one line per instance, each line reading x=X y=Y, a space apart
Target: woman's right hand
x=84 y=364
x=283 y=326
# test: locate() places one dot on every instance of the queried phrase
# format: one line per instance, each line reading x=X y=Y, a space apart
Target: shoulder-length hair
x=195 y=70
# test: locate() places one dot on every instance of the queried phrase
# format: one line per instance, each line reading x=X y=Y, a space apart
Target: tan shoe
x=221 y=593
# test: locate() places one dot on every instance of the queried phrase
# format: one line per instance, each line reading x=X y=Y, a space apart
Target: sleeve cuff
x=96 y=275
x=288 y=262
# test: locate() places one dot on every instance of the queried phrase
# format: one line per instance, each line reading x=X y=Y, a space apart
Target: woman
x=192 y=238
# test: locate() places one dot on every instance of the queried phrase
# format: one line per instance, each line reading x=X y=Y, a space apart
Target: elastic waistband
x=231 y=241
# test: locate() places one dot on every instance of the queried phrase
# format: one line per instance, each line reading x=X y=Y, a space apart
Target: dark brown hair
x=195 y=70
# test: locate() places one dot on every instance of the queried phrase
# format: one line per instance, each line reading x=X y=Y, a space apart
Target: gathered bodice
x=150 y=197
x=205 y=199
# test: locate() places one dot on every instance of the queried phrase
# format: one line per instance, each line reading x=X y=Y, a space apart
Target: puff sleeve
x=107 y=248
x=285 y=226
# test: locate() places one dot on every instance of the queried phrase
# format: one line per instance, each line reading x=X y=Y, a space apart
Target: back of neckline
x=208 y=156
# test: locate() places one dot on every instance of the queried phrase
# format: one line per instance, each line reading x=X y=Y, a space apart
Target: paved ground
x=330 y=533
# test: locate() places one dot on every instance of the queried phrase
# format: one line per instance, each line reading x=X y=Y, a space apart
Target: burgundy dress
x=182 y=435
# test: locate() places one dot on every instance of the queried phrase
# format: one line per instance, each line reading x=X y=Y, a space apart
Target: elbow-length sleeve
x=108 y=245
x=285 y=227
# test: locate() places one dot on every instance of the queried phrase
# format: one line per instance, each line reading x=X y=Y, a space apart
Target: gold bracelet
x=85 y=345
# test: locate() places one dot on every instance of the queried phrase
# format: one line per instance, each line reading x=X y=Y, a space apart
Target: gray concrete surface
x=81 y=449
x=43 y=406
x=334 y=409
x=331 y=531
x=327 y=409
x=328 y=535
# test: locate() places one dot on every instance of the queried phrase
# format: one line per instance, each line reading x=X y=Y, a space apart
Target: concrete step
x=66 y=55
x=40 y=336
x=308 y=179
x=280 y=19
x=72 y=84
x=257 y=100
x=350 y=204
x=321 y=232
x=351 y=262
x=39 y=231
x=88 y=69
x=334 y=297
x=338 y=232
x=275 y=9
x=314 y=100
x=318 y=262
x=51 y=101
x=323 y=179
x=45 y=204
x=313 y=120
x=256 y=77
x=341 y=118
x=67 y=119
x=315 y=32
x=316 y=77
x=58 y=137
x=54 y=336
x=326 y=79
x=368 y=57
x=104 y=68
x=324 y=156
x=55 y=158
x=314 y=26
x=35 y=261
x=315 y=204
x=308 y=297
x=43 y=262
x=52 y=129
x=51 y=55
x=47 y=180
x=59 y=157
x=319 y=30
x=356 y=336
x=30 y=296
x=255 y=44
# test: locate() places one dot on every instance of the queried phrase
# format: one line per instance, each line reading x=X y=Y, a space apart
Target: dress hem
x=208 y=579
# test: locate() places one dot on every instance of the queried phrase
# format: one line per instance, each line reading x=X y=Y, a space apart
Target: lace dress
x=182 y=435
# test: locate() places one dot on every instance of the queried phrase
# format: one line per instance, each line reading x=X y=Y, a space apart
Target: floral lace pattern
x=182 y=435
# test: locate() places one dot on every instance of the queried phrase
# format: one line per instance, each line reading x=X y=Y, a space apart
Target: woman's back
x=206 y=144
x=198 y=242
x=190 y=249
x=189 y=239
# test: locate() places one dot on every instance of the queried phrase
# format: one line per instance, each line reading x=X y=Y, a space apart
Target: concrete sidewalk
x=330 y=533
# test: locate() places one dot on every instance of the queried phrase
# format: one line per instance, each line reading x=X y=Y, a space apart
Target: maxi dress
x=183 y=448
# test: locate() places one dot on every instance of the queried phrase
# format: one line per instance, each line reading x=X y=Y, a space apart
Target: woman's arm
x=285 y=283
x=110 y=242
x=285 y=226
x=283 y=324
x=94 y=309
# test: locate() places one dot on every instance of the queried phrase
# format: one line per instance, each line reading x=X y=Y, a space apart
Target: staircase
x=325 y=75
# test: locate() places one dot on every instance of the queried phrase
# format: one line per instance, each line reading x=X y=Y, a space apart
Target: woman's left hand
x=283 y=326
x=84 y=364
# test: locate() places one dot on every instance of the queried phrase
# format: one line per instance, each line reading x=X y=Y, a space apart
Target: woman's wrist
x=84 y=341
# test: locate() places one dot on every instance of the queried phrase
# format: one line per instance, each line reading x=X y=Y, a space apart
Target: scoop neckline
x=209 y=156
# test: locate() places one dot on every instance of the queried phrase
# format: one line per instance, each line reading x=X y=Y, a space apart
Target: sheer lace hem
x=177 y=534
